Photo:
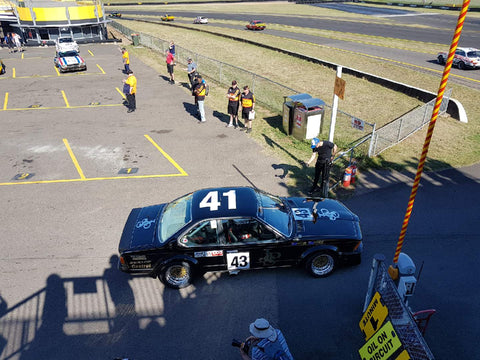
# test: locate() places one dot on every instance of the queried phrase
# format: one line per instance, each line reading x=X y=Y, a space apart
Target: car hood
x=140 y=229
x=330 y=219
x=71 y=60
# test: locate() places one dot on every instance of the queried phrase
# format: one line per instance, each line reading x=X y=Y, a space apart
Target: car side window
x=246 y=231
x=460 y=52
x=202 y=234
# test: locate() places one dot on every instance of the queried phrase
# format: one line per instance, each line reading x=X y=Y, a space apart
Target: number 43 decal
x=237 y=261
x=211 y=200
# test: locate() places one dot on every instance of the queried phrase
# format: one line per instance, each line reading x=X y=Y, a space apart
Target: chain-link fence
x=401 y=128
x=398 y=313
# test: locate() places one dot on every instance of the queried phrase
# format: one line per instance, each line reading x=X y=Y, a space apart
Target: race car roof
x=224 y=202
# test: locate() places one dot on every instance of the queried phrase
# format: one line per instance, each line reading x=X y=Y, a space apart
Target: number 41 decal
x=211 y=200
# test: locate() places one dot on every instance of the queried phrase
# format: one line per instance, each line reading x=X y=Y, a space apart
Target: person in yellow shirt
x=126 y=60
x=130 y=89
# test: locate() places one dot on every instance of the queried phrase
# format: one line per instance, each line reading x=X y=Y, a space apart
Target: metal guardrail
x=401 y=128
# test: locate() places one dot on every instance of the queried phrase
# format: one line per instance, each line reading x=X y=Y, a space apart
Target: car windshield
x=274 y=212
x=65 y=40
x=175 y=216
x=473 y=54
x=68 y=53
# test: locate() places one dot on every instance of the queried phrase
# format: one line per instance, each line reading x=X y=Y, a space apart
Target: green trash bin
x=136 y=39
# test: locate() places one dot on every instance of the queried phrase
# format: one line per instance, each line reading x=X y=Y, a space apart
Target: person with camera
x=191 y=71
x=265 y=343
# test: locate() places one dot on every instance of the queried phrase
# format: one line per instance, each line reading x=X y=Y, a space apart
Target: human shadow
x=192 y=109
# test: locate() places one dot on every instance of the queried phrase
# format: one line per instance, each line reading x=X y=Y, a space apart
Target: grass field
x=453 y=144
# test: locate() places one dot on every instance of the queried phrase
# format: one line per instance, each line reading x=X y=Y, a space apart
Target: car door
x=203 y=241
x=250 y=244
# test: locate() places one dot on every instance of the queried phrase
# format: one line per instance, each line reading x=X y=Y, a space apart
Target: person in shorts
x=248 y=104
x=170 y=60
x=233 y=95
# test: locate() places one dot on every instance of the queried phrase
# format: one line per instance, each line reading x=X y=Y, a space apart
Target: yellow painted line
x=103 y=72
x=13 y=73
x=65 y=98
x=121 y=93
x=62 y=107
x=22 y=55
x=58 y=72
x=91 y=53
x=92 y=179
x=182 y=172
x=74 y=159
x=5 y=102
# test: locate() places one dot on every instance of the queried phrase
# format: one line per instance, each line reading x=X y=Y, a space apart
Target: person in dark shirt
x=324 y=151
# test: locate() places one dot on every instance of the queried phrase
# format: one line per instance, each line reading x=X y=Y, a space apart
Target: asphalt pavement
x=60 y=290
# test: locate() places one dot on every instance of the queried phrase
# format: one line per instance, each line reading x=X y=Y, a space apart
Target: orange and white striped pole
x=431 y=126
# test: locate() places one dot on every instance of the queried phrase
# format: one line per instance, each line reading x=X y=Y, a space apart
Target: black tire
x=321 y=264
x=176 y=275
x=441 y=60
x=461 y=65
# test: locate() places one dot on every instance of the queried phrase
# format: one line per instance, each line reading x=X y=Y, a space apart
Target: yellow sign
x=403 y=356
x=382 y=345
x=373 y=317
x=339 y=89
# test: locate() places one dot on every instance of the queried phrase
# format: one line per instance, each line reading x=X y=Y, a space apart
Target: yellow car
x=167 y=17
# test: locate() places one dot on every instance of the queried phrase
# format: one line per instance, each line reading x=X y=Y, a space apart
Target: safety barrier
x=398 y=313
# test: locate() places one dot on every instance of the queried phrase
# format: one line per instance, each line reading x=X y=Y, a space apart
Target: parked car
x=256 y=25
x=200 y=20
x=167 y=17
x=63 y=44
x=238 y=228
x=69 y=61
x=115 y=14
x=464 y=58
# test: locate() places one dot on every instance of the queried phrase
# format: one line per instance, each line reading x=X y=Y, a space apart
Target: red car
x=256 y=25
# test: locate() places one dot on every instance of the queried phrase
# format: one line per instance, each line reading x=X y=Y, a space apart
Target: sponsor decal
x=332 y=215
x=211 y=253
x=144 y=223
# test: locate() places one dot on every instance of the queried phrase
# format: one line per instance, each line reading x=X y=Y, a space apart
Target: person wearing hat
x=266 y=342
x=126 y=60
x=233 y=95
x=191 y=71
x=324 y=151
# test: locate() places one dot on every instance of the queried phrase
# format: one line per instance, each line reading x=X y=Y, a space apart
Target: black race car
x=238 y=228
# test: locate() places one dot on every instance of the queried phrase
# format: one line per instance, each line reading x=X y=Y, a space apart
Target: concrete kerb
x=455 y=109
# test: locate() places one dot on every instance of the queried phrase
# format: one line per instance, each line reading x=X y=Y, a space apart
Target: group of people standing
x=322 y=151
x=13 y=42
x=247 y=100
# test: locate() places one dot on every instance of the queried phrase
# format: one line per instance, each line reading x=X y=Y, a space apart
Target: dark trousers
x=131 y=101
x=127 y=68
x=322 y=168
